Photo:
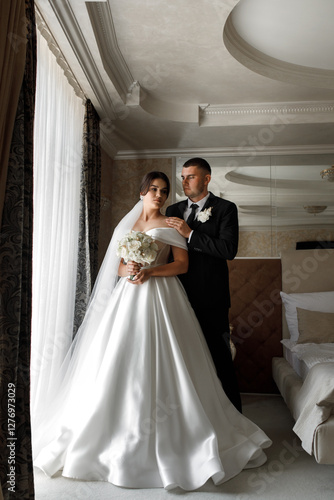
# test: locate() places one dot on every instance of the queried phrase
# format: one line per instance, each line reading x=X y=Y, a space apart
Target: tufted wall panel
x=256 y=318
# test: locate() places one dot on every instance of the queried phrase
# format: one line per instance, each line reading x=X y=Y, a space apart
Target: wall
x=106 y=204
x=271 y=243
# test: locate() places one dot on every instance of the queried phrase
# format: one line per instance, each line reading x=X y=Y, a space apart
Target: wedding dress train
x=141 y=406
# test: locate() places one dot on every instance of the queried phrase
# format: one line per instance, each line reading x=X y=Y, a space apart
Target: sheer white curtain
x=57 y=163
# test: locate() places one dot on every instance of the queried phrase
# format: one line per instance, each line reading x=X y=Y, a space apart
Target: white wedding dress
x=142 y=406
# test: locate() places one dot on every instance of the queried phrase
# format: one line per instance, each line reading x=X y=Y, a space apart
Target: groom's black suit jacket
x=211 y=244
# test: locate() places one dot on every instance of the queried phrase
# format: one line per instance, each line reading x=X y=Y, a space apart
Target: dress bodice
x=165 y=237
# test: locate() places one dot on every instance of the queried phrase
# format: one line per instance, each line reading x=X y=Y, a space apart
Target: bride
x=138 y=403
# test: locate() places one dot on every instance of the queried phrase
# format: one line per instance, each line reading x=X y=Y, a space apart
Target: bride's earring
x=141 y=197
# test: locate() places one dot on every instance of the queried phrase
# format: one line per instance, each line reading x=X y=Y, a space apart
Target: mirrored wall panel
x=281 y=200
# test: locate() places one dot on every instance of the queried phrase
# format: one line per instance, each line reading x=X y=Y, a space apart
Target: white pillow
x=317 y=301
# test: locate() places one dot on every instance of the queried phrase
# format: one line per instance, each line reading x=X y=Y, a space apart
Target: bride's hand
x=133 y=268
x=140 y=277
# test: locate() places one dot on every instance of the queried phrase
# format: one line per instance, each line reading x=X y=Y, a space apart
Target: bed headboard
x=305 y=271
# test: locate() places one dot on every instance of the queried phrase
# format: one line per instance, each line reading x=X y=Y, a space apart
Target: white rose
x=149 y=255
x=123 y=252
x=132 y=256
x=133 y=245
x=145 y=244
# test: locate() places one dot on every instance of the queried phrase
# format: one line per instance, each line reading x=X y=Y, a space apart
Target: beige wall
x=106 y=205
x=271 y=244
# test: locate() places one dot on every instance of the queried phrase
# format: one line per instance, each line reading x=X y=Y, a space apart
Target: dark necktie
x=191 y=217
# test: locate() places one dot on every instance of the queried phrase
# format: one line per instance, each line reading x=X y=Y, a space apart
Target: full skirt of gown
x=144 y=407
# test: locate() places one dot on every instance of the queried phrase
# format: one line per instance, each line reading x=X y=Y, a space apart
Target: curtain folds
x=59 y=118
x=90 y=197
x=13 y=39
x=15 y=278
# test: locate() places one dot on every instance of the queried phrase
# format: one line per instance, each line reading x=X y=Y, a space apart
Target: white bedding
x=297 y=364
x=303 y=356
x=311 y=397
x=316 y=402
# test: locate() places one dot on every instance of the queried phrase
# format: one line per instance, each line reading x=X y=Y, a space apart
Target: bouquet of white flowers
x=138 y=247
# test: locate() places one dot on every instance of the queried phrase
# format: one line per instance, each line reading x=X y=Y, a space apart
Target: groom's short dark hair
x=199 y=163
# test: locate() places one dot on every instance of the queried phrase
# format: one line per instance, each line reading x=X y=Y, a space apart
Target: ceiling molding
x=270 y=67
x=266 y=113
x=111 y=56
x=76 y=39
x=130 y=90
x=294 y=184
x=61 y=60
x=134 y=95
x=231 y=151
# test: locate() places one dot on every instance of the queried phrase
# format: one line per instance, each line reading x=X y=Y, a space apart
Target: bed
x=304 y=374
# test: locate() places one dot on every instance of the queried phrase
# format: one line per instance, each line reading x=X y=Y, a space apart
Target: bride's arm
x=178 y=266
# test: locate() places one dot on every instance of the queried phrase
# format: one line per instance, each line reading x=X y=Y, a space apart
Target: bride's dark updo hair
x=149 y=178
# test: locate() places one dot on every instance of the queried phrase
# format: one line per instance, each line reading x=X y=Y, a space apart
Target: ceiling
x=204 y=77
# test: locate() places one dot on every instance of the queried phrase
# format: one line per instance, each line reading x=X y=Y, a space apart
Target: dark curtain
x=16 y=469
x=12 y=64
x=89 y=222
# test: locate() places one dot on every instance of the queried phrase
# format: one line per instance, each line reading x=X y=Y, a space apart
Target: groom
x=210 y=225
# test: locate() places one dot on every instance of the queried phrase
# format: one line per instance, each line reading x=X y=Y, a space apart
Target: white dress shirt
x=187 y=211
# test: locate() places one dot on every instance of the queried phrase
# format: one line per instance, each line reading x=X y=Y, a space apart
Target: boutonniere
x=204 y=215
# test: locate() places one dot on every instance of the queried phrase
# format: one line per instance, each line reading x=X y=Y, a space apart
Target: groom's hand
x=180 y=225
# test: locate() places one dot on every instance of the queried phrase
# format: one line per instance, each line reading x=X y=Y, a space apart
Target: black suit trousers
x=218 y=340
